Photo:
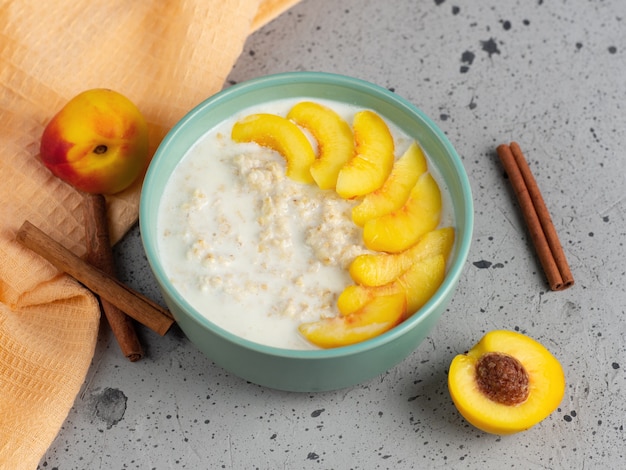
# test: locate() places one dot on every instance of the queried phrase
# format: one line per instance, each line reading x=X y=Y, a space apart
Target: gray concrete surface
x=548 y=74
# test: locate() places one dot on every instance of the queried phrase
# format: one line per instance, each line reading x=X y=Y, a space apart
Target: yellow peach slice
x=281 y=135
x=506 y=383
x=373 y=159
x=335 y=142
x=382 y=268
x=395 y=190
x=418 y=284
x=379 y=315
x=402 y=228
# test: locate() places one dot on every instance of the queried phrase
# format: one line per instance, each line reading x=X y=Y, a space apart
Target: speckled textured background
x=548 y=74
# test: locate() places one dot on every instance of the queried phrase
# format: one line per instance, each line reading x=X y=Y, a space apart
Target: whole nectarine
x=98 y=142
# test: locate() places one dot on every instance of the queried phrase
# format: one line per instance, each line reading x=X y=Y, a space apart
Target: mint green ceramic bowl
x=313 y=370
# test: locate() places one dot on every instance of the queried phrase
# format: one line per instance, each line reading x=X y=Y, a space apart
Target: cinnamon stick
x=100 y=255
x=537 y=217
x=141 y=308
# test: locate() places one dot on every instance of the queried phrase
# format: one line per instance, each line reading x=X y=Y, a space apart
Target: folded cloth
x=164 y=56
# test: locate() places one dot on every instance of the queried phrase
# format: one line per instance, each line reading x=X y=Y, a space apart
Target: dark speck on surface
x=490 y=46
x=615 y=365
x=312 y=456
x=316 y=413
x=506 y=25
x=482 y=264
x=439 y=2
x=467 y=58
x=612 y=49
x=455 y=10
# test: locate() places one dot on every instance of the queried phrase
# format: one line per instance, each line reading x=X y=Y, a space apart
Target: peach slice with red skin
x=374 y=318
x=382 y=268
x=417 y=284
x=506 y=383
x=281 y=135
x=374 y=156
x=402 y=228
x=335 y=142
x=395 y=190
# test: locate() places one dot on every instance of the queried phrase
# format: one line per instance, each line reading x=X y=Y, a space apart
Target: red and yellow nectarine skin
x=98 y=142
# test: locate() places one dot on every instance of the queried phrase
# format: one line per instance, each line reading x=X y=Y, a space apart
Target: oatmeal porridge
x=253 y=251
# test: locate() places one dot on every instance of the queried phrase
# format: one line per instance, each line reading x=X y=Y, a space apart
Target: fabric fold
x=45 y=349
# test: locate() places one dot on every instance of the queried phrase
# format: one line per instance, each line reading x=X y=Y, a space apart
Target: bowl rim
x=455 y=269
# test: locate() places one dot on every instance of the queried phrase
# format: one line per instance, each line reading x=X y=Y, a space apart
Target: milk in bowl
x=255 y=252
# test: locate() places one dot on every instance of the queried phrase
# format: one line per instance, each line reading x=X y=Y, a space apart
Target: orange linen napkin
x=166 y=57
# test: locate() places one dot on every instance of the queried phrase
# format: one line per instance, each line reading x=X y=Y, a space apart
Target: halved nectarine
x=335 y=142
x=418 y=284
x=395 y=190
x=372 y=319
x=368 y=169
x=506 y=383
x=402 y=228
x=382 y=268
x=281 y=135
